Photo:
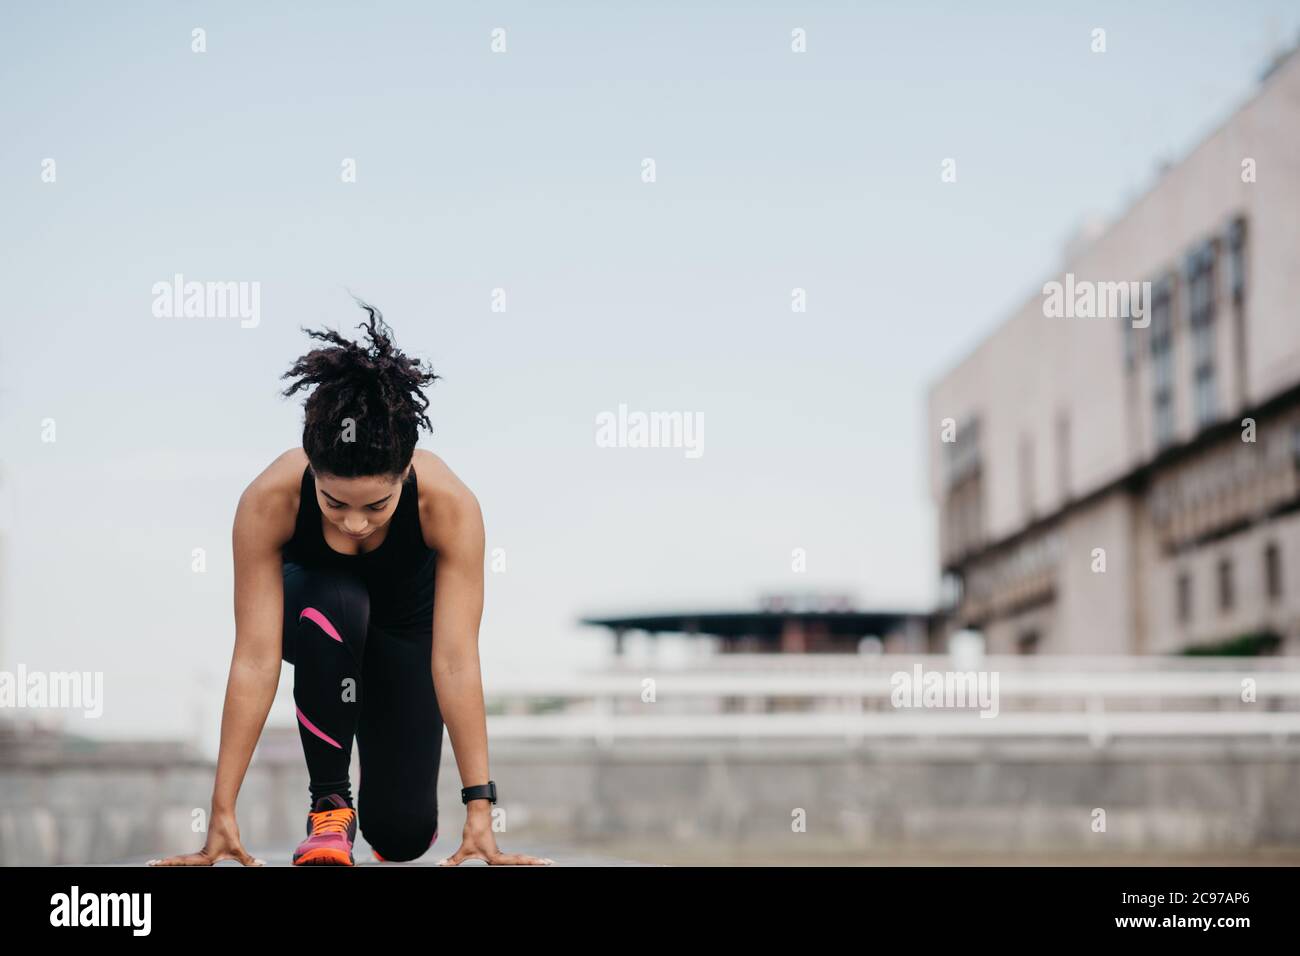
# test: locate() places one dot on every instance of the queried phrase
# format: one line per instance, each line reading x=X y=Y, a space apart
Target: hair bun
x=373 y=382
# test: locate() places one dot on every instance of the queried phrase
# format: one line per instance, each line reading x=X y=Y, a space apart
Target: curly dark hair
x=377 y=386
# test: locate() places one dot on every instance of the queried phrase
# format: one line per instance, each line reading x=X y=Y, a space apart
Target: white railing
x=870 y=663
x=1093 y=698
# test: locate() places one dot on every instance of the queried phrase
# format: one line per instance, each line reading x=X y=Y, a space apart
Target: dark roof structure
x=761 y=624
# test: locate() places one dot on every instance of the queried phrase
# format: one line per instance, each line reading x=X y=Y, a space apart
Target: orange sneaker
x=331 y=831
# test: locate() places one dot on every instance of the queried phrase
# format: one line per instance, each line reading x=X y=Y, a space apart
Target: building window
x=1184 y=598
x=1200 y=318
x=1237 y=266
x=1237 y=259
x=1273 y=571
x=962 y=522
x=1226 y=595
x=1162 y=359
x=1130 y=342
x=962 y=454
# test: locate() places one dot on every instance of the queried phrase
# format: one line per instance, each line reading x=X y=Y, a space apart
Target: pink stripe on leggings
x=316 y=730
x=316 y=616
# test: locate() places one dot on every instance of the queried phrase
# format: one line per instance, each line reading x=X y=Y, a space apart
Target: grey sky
x=522 y=171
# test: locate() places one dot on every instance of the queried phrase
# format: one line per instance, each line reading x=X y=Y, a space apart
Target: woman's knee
x=398 y=840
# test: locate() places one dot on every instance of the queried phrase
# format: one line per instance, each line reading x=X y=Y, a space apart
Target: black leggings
x=351 y=677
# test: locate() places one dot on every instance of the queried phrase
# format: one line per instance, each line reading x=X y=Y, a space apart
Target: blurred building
x=1131 y=484
x=785 y=623
x=27 y=743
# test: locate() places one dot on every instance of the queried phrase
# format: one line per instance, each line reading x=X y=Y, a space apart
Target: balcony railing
x=848 y=700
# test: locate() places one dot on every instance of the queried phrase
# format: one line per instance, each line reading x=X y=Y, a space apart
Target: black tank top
x=399 y=573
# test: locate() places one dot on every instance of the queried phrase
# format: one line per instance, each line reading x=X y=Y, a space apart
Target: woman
x=337 y=546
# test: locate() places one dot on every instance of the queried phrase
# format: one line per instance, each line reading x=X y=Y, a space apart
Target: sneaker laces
x=331 y=821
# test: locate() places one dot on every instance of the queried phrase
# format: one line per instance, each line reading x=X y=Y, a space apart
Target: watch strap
x=481 y=791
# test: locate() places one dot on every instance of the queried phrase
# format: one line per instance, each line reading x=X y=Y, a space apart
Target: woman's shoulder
x=449 y=510
x=270 y=501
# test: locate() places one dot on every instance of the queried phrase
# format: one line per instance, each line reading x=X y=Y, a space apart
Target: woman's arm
x=263 y=521
x=458 y=536
x=457 y=613
x=255 y=664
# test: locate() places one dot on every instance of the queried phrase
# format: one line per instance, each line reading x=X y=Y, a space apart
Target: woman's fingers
x=239 y=855
x=206 y=858
x=520 y=859
x=234 y=850
x=496 y=859
x=185 y=859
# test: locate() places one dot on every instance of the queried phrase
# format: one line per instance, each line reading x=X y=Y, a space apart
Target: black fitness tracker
x=480 y=791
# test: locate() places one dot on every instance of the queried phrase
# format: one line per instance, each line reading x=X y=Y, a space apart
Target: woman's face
x=360 y=506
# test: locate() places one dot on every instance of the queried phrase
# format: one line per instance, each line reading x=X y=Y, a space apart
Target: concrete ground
x=563 y=856
x=668 y=854
x=640 y=855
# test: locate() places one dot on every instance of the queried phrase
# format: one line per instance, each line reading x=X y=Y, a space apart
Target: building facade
x=1116 y=468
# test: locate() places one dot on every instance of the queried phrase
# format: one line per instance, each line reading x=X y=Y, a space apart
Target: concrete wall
x=1194 y=797
x=1097 y=606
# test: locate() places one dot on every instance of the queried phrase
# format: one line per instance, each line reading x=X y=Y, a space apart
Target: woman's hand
x=222 y=844
x=478 y=843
